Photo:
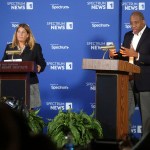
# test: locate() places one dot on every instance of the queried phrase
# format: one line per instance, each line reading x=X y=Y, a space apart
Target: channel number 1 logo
x=68 y=106
x=69 y=66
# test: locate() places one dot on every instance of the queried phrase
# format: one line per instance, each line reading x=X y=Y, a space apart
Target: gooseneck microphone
x=107 y=47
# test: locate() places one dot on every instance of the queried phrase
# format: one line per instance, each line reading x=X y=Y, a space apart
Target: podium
x=14 y=80
x=112 y=77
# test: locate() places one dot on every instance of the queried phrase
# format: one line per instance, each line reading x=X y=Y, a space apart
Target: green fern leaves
x=83 y=128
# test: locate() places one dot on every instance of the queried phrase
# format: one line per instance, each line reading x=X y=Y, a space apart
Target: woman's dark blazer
x=29 y=55
x=142 y=80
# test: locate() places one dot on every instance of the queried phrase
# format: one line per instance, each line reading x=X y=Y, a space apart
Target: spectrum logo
x=59 y=105
x=136 y=129
x=60 y=65
x=58 y=7
x=127 y=25
x=58 y=87
x=59 y=47
x=93 y=105
x=97 y=45
x=100 y=25
x=14 y=24
x=101 y=5
x=20 y=5
x=60 y=25
x=91 y=85
x=133 y=5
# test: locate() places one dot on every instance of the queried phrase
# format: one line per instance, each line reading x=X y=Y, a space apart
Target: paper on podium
x=13 y=60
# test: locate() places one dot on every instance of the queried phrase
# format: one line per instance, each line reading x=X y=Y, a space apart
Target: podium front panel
x=13 y=88
x=15 y=85
x=106 y=104
x=112 y=104
x=15 y=77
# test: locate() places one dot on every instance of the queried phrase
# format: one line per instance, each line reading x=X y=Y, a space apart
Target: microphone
x=107 y=47
x=13 y=52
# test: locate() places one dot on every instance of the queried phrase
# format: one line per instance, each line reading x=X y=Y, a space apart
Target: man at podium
x=136 y=49
x=28 y=50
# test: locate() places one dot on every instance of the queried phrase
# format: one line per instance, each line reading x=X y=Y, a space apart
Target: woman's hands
x=38 y=68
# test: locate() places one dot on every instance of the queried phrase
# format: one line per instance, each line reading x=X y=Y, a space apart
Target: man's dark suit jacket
x=29 y=55
x=142 y=80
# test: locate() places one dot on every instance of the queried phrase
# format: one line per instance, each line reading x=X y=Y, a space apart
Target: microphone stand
x=105 y=53
x=12 y=57
x=106 y=49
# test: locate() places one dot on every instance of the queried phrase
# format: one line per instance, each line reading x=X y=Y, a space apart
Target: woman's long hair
x=30 y=40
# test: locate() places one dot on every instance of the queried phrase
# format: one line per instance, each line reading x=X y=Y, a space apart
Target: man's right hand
x=112 y=53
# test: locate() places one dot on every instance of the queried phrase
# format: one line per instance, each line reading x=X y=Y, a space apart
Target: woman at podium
x=26 y=48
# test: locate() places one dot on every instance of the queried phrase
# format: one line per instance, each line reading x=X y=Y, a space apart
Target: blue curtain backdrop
x=69 y=31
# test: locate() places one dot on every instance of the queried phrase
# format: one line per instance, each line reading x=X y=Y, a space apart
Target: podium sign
x=112 y=77
x=14 y=80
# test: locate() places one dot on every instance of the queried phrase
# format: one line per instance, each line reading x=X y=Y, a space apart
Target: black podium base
x=104 y=145
x=106 y=104
x=13 y=88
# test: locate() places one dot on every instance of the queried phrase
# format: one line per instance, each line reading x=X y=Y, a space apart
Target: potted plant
x=35 y=121
x=82 y=127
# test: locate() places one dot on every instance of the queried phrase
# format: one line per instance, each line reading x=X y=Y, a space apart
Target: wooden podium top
x=24 y=66
x=110 y=65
